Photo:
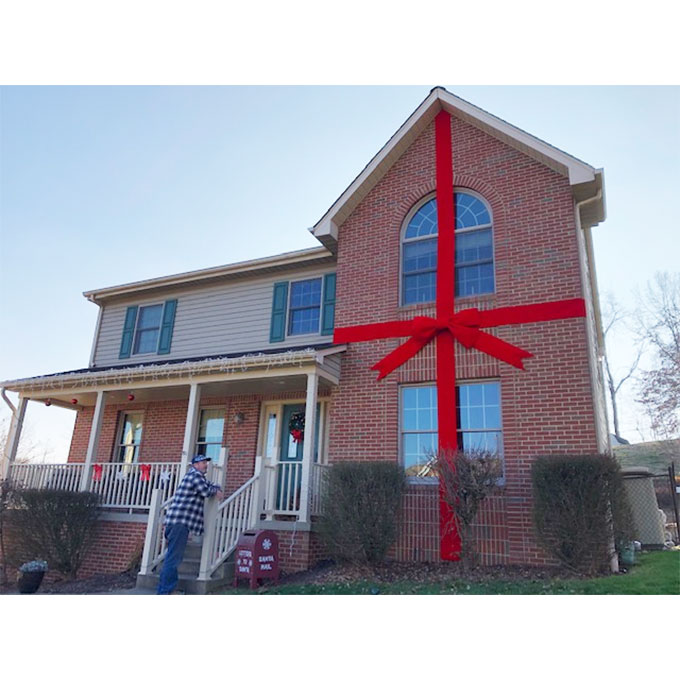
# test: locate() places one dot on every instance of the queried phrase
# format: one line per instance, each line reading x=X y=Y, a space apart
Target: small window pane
x=149 y=317
x=305 y=307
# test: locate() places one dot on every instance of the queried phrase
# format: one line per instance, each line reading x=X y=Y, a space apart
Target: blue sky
x=106 y=185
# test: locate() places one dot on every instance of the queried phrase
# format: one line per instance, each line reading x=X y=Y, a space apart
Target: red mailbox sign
x=257 y=557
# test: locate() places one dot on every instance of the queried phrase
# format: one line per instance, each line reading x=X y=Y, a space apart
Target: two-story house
x=235 y=360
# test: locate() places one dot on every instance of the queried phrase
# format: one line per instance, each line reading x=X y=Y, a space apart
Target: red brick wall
x=546 y=409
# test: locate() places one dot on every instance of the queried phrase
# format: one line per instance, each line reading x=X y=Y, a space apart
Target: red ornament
x=130 y=397
x=449 y=326
x=74 y=401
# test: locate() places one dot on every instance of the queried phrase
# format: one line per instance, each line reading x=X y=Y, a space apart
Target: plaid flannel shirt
x=186 y=506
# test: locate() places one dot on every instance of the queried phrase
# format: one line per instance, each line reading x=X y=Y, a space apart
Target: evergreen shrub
x=56 y=525
x=581 y=513
x=361 y=504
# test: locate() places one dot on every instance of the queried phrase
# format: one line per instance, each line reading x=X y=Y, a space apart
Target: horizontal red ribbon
x=463 y=326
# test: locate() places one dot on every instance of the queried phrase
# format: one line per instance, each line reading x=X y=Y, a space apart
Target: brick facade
x=549 y=408
x=546 y=409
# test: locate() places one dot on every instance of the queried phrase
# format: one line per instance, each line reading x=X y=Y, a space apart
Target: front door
x=290 y=460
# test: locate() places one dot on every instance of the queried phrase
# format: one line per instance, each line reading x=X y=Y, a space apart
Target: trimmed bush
x=361 y=510
x=58 y=526
x=580 y=510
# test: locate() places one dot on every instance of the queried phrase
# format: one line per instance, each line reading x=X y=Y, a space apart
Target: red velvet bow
x=96 y=472
x=464 y=326
x=145 y=469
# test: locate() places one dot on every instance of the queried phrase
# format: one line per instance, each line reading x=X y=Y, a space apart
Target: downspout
x=12 y=407
x=603 y=445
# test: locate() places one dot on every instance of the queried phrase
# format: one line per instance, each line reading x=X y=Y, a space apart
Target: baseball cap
x=200 y=457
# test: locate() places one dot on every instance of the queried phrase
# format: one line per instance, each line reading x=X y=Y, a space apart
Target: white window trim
x=482 y=381
x=198 y=426
x=134 y=333
x=117 y=445
x=288 y=309
x=402 y=233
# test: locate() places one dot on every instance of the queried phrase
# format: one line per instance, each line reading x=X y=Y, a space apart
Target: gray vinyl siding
x=332 y=364
x=219 y=319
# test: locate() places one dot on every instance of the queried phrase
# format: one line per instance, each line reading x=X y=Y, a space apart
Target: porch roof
x=189 y=369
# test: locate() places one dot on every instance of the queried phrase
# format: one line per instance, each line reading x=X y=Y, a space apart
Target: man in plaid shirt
x=185 y=515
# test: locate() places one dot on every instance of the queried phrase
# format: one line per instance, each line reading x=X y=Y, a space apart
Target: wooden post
x=13 y=436
x=191 y=426
x=308 y=446
x=95 y=431
x=210 y=513
x=152 y=528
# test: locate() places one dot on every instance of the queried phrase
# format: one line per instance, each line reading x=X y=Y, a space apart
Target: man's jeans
x=177 y=535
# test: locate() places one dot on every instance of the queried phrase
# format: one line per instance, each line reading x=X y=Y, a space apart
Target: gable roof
x=585 y=180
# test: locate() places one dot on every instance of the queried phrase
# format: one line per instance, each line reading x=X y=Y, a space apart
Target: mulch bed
x=329 y=573
x=424 y=572
x=102 y=583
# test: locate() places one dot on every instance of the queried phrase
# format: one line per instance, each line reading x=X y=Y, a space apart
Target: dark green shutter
x=277 y=331
x=328 y=310
x=166 y=326
x=128 y=332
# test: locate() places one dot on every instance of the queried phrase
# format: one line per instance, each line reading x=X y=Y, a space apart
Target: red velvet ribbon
x=450 y=326
x=463 y=326
x=145 y=469
x=96 y=472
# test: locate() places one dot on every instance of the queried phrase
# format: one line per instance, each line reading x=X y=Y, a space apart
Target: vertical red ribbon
x=96 y=472
x=446 y=357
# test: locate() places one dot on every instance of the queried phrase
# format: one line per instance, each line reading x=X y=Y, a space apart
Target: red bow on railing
x=463 y=326
x=145 y=472
x=96 y=472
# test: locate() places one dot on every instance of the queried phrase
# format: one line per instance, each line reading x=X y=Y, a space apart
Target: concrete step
x=188 y=573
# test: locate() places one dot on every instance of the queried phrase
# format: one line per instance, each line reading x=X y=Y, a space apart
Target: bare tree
x=658 y=323
x=613 y=315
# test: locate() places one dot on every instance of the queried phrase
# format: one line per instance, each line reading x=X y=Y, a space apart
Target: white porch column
x=95 y=431
x=191 y=425
x=12 y=443
x=308 y=445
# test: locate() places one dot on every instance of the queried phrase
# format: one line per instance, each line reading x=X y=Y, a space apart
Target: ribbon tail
x=502 y=350
x=400 y=355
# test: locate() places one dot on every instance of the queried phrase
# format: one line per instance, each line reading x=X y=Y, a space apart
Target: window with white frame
x=478 y=417
x=129 y=437
x=210 y=432
x=147 y=329
x=474 y=270
x=304 y=308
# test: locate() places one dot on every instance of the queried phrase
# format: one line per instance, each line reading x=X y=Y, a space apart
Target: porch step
x=188 y=573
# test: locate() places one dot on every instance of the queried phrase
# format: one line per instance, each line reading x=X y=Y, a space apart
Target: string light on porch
x=185 y=369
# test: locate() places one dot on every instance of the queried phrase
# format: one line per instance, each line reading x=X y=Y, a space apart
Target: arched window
x=474 y=250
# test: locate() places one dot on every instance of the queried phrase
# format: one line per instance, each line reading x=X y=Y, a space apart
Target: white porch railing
x=224 y=524
x=64 y=476
x=130 y=485
x=120 y=485
x=155 y=545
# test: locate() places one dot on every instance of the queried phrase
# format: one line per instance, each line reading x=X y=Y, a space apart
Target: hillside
x=656 y=456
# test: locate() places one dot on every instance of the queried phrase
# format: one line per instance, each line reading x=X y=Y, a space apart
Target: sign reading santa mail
x=257 y=557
